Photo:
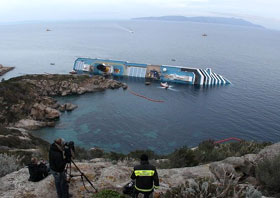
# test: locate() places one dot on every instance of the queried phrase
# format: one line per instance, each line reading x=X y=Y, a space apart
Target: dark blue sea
x=116 y=120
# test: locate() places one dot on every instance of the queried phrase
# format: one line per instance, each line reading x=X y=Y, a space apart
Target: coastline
x=4 y=70
x=27 y=103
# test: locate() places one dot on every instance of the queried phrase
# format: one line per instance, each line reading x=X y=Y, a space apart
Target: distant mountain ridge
x=202 y=19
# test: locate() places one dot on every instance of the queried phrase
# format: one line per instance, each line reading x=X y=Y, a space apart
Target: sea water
x=116 y=120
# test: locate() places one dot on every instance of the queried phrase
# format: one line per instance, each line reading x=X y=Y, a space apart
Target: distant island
x=201 y=19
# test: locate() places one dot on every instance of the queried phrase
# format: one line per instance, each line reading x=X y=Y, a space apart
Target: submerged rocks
x=70 y=107
x=124 y=86
x=67 y=107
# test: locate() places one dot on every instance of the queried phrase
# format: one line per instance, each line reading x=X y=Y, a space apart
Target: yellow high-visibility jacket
x=146 y=177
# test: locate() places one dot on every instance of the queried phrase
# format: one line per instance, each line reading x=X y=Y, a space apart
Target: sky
x=263 y=12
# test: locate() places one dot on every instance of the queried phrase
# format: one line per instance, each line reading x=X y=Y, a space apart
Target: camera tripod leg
x=82 y=176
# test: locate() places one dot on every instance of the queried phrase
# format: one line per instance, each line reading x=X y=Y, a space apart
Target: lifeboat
x=73 y=72
x=165 y=85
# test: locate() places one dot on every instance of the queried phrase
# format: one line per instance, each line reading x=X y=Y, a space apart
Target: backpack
x=128 y=189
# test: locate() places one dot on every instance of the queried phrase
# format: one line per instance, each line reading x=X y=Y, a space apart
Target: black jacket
x=57 y=161
x=37 y=172
x=146 y=177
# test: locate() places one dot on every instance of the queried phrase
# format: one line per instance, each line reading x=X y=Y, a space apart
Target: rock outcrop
x=33 y=124
x=19 y=142
x=27 y=102
x=108 y=175
x=102 y=173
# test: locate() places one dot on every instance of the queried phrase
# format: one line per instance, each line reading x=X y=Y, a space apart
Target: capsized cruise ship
x=163 y=73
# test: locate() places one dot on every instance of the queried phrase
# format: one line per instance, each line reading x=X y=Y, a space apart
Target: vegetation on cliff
x=207 y=151
x=16 y=100
x=22 y=145
x=268 y=174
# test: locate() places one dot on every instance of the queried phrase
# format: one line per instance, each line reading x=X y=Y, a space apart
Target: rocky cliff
x=108 y=175
x=27 y=101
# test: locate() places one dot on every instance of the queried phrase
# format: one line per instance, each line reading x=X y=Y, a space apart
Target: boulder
x=81 y=90
x=222 y=170
x=65 y=92
x=62 y=108
x=70 y=107
x=124 y=86
x=51 y=114
x=16 y=184
x=268 y=152
x=38 y=111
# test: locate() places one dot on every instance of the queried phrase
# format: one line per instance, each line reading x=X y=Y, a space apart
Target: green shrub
x=204 y=188
x=137 y=154
x=108 y=194
x=96 y=153
x=268 y=174
x=182 y=157
x=207 y=151
x=115 y=156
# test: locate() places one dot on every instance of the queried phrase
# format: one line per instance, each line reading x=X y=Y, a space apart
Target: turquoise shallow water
x=116 y=120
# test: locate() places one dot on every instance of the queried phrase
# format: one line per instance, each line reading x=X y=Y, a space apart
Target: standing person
x=57 y=166
x=146 y=178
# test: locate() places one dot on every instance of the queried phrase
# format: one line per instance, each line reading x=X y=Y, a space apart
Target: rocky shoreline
x=4 y=70
x=27 y=101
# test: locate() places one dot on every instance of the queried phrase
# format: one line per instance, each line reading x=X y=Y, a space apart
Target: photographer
x=37 y=170
x=57 y=166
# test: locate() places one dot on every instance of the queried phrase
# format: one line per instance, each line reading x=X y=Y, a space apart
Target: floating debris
x=147 y=83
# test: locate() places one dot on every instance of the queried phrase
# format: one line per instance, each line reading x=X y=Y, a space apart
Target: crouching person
x=146 y=178
x=57 y=166
x=37 y=170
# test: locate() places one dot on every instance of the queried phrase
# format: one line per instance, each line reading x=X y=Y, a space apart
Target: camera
x=69 y=151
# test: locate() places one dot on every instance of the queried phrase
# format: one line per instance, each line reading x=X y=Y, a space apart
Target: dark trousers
x=61 y=185
x=146 y=194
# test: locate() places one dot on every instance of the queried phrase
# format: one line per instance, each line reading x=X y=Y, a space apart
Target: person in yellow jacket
x=146 y=178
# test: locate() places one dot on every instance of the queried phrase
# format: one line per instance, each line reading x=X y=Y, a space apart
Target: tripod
x=82 y=175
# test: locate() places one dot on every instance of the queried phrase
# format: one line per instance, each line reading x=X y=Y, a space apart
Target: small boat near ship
x=73 y=72
x=165 y=85
x=163 y=73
